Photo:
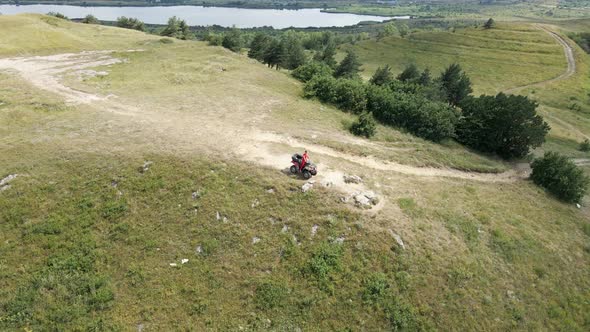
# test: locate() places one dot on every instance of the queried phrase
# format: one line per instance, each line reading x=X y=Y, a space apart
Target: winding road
x=569 y=55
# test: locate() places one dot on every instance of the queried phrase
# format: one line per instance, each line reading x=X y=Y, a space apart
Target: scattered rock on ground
x=270 y=191
x=285 y=229
x=255 y=240
x=184 y=261
x=578 y=205
x=4 y=183
x=217 y=215
x=145 y=167
x=173 y=264
x=339 y=240
x=199 y=249
x=307 y=186
x=255 y=203
x=196 y=194
x=397 y=239
x=352 y=179
x=314 y=230
x=365 y=199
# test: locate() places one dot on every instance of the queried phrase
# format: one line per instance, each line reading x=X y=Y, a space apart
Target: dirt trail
x=243 y=141
x=569 y=55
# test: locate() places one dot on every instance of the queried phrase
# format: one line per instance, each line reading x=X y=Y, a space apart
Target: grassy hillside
x=496 y=59
x=88 y=229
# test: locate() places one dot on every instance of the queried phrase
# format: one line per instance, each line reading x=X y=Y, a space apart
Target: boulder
x=352 y=179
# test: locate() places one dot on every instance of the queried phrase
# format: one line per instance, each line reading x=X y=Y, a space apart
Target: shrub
x=403 y=317
x=430 y=120
x=321 y=87
x=232 y=40
x=376 y=287
x=307 y=71
x=130 y=23
x=270 y=295
x=484 y=125
x=350 y=95
x=58 y=15
x=585 y=145
x=90 y=19
x=364 y=126
x=382 y=76
x=560 y=176
x=176 y=28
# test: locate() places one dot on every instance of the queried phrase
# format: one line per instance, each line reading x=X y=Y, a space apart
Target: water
x=197 y=15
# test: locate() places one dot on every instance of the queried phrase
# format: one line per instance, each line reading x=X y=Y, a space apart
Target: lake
x=197 y=15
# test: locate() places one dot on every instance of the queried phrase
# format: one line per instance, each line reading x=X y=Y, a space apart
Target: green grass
x=508 y=56
x=86 y=238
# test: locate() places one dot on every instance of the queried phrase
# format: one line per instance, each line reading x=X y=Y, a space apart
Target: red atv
x=308 y=170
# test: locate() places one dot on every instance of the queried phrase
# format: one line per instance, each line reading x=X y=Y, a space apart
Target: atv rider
x=304 y=160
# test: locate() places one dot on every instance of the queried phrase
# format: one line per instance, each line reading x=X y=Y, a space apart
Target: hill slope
x=175 y=151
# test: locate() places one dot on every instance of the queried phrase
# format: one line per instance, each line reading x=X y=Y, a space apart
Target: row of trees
x=434 y=109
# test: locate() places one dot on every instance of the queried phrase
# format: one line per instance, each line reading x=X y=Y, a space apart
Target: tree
x=507 y=125
x=425 y=78
x=258 y=46
x=307 y=71
x=350 y=95
x=321 y=87
x=410 y=74
x=90 y=19
x=176 y=28
x=275 y=54
x=456 y=84
x=327 y=55
x=489 y=24
x=232 y=40
x=389 y=29
x=382 y=76
x=295 y=54
x=403 y=30
x=58 y=15
x=349 y=67
x=560 y=176
x=130 y=23
x=364 y=126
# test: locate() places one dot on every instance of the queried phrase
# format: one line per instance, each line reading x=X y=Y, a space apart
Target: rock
x=344 y=199
x=270 y=191
x=7 y=179
x=140 y=327
x=199 y=249
x=306 y=187
x=173 y=264
x=217 y=215
x=397 y=239
x=255 y=240
x=314 y=230
x=352 y=179
x=145 y=167
x=339 y=240
x=285 y=229
x=196 y=195
x=184 y=261
x=255 y=203
x=578 y=205
x=362 y=201
x=114 y=183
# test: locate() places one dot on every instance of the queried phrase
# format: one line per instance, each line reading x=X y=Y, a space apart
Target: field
x=142 y=152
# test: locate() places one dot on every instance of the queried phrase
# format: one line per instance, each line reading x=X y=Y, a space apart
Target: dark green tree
x=382 y=76
x=176 y=28
x=295 y=54
x=58 y=15
x=258 y=46
x=455 y=84
x=560 y=176
x=410 y=74
x=349 y=67
x=507 y=125
x=364 y=126
x=425 y=78
x=232 y=40
x=275 y=54
x=489 y=24
x=327 y=55
x=130 y=23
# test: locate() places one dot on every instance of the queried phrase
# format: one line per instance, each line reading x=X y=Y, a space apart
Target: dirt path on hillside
x=246 y=143
x=569 y=55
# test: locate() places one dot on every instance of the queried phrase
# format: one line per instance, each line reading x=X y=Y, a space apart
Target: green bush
x=560 y=176
x=375 y=287
x=307 y=71
x=321 y=87
x=403 y=317
x=585 y=145
x=364 y=126
x=130 y=23
x=90 y=19
x=58 y=15
x=270 y=295
x=350 y=95
x=484 y=125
